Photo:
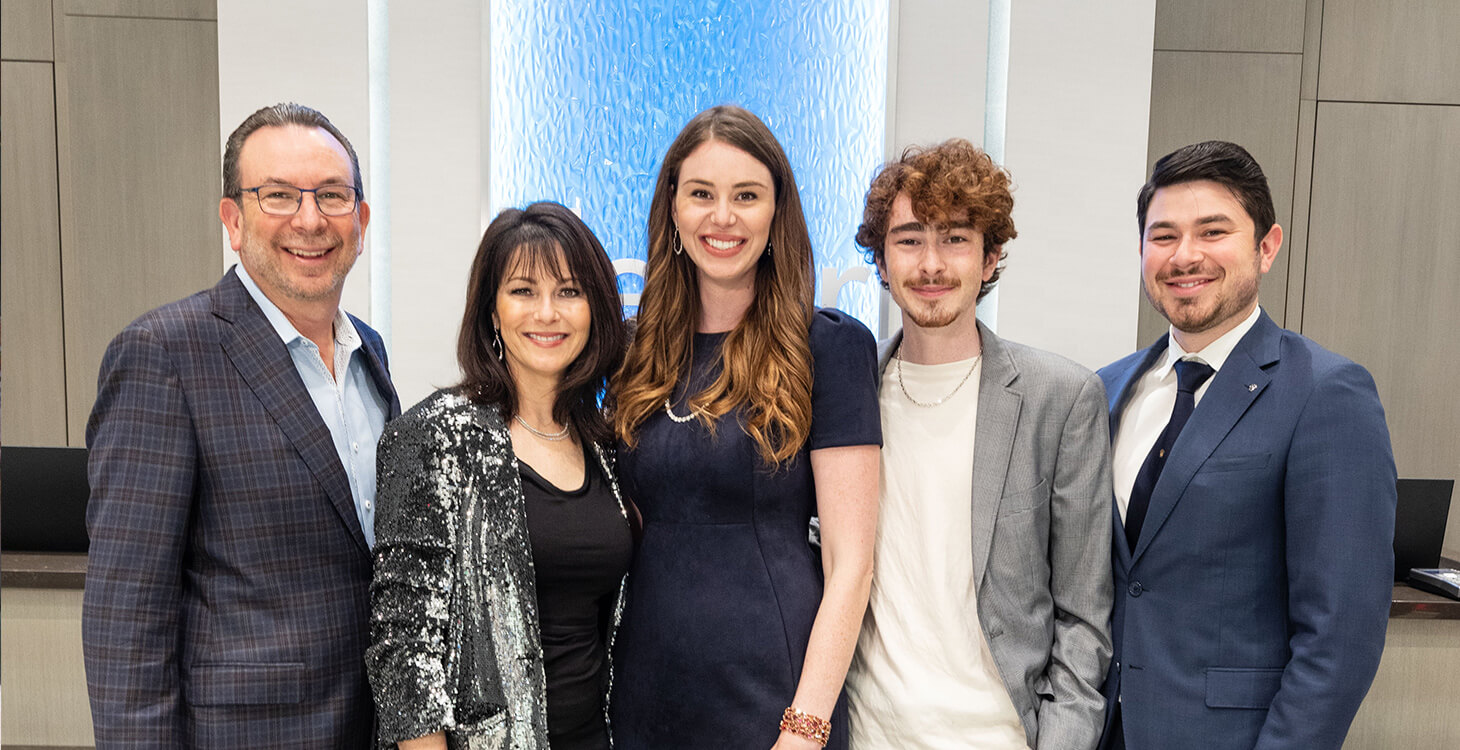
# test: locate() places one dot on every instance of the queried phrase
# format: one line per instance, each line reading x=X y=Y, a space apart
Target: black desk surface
x=1411 y=603
x=42 y=570
x=61 y=570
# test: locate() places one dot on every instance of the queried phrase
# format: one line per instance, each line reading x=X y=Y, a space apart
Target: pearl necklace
x=549 y=436
x=928 y=405
x=676 y=417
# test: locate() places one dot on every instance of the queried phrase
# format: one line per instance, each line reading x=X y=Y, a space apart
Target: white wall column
x=438 y=181
x=313 y=53
x=1077 y=120
x=430 y=125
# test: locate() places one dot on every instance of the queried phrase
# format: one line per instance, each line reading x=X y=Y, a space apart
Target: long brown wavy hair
x=766 y=358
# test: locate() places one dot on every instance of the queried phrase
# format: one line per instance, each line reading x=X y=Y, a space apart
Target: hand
x=789 y=741
x=434 y=741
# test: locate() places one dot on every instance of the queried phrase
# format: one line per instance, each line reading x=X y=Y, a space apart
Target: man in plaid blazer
x=233 y=474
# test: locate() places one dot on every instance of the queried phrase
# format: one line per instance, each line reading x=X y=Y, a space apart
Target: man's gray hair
x=284 y=113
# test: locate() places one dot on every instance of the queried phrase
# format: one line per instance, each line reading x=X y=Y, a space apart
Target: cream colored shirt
x=1152 y=399
x=922 y=675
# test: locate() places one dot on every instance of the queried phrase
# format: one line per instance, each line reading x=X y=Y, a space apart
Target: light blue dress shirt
x=349 y=403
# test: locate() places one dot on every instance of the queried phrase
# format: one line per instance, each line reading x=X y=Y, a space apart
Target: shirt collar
x=345 y=333
x=1216 y=353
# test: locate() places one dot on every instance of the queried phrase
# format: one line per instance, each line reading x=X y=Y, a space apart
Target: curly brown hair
x=766 y=359
x=944 y=182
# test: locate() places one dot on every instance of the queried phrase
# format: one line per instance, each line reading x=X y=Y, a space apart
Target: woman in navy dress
x=742 y=411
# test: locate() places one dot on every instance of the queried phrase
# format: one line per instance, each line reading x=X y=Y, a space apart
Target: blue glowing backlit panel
x=586 y=97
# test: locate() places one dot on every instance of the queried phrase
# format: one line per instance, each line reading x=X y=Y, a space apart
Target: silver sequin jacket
x=454 y=633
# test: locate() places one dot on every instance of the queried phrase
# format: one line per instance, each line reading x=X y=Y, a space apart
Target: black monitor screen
x=43 y=494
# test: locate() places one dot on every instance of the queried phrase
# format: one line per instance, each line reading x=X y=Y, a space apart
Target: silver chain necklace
x=549 y=436
x=929 y=405
x=676 y=417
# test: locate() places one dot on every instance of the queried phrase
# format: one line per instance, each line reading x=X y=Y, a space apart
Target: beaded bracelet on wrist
x=799 y=723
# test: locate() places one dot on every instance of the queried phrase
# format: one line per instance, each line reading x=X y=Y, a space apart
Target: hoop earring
x=497 y=342
x=768 y=248
x=678 y=245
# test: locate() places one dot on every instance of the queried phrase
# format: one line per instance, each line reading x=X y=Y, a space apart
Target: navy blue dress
x=725 y=586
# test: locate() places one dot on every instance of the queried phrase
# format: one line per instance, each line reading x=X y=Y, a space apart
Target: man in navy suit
x=232 y=473
x=1254 y=488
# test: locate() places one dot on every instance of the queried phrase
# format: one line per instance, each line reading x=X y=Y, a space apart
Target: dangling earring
x=678 y=245
x=768 y=248
x=497 y=341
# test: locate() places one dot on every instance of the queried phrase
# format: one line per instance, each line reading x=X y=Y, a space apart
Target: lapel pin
x=1251 y=387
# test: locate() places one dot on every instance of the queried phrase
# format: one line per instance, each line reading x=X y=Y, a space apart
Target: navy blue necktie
x=1190 y=374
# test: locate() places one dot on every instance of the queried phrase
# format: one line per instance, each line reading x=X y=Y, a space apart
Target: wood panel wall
x=30 y=266
x=110 y=189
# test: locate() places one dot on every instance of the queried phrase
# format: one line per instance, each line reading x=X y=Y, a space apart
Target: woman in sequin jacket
x=497 y=593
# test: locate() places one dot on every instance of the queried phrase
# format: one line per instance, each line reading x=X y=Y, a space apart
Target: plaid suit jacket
x=226 y=600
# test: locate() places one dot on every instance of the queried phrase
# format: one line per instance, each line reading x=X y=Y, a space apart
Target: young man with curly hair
x=988 y=620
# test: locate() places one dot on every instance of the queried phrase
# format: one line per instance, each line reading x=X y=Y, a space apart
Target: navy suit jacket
x=226 y=600
x=1252 y=611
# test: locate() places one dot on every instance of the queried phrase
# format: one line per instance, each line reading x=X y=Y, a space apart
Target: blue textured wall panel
x=586 y=97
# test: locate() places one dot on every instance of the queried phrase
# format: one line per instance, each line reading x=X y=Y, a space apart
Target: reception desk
x=1412 y=701
x=41 y=671
x=1411 y=704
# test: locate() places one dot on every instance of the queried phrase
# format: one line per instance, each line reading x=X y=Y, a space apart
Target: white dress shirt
x=1152 y=399
x=351 y=406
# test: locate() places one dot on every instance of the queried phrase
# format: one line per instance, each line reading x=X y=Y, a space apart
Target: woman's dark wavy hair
x=547 y=238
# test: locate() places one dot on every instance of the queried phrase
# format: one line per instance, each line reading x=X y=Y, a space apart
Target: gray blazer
x=1041 y=536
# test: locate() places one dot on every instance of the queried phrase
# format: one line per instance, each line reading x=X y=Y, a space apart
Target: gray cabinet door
x=140 y=178
x=1383 y=269
x=34 y=411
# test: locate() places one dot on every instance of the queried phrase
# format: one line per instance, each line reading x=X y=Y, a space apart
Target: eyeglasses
x=284 y=200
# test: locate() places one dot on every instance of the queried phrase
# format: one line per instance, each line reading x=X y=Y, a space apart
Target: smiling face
x=723 y=206
x=1200 y=260
x=544 y=320
x=302 y=258
x=933 y=272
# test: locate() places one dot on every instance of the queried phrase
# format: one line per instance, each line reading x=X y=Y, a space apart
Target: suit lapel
x=1124 y=385
x=993 y=442
x=1119 y=397
x=379 y=374
x=1241 y=381
x=264 y=363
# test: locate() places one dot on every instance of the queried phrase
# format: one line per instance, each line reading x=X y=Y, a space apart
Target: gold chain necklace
x=928 y=405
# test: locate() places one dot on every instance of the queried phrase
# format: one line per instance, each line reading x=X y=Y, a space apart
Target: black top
x=581 y=547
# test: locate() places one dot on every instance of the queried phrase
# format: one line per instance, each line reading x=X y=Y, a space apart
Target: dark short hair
x=948 y=180
x=279 y=115
x=549 y=238
x=1221 y=162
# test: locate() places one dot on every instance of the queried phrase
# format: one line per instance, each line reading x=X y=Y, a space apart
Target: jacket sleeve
x=410 y=596
x=1339 y=498
x=142 y=470
x=1072 y=710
